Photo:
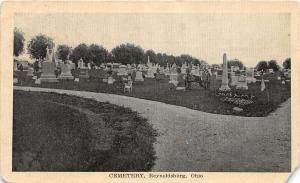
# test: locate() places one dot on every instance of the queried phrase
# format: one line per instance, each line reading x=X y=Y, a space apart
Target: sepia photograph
x=152 y=92
x=149 y=92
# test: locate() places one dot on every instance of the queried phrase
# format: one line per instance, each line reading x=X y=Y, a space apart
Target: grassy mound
x=51 y=134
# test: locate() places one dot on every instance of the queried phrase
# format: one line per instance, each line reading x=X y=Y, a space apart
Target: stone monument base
x=224 y=88
x=84 y=73
x=139 y=76
x=48 y=78
x=66 y=77
x=48 y=73
x=242 y=87
x=66 y=72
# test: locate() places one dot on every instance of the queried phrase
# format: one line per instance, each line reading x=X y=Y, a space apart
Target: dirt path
x=192 y=140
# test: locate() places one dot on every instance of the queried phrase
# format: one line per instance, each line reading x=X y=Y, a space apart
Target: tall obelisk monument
x=224 y=85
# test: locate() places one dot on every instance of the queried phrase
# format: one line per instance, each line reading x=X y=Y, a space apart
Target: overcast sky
x=248 y=37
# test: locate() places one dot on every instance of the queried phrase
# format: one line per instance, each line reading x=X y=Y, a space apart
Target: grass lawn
x=54 y=132
x=197 y=98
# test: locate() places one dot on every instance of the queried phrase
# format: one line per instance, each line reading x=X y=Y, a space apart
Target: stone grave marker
x=37 y=81
x=66 y=72
x=16 y=80
x=30 y=72
x=139 y=76
x=122 y=71
x=81 y=64
x=242 y=83
x=224 y=85
x=84 y=73
x=150 y=73
x=15 y=66
x=250 y=76
x=110 y=80
x=48 y=69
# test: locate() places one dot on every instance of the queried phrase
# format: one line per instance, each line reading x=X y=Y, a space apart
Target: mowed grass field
x=197 y=98
x=54 y=132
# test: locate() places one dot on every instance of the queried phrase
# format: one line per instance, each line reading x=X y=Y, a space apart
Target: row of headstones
x=48 y=73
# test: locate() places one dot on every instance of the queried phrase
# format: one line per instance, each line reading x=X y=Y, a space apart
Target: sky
x=247 y=37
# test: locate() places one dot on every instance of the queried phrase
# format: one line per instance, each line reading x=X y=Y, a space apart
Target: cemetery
x=218 y=92
x=100 y=110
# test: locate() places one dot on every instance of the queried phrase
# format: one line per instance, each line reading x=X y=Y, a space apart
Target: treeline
x=97 y=54
x=263 y=66
x=124 y=54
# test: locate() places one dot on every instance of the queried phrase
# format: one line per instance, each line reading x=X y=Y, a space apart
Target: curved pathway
x=192 y=140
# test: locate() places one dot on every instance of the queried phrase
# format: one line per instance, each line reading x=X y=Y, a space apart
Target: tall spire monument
x=224 y=86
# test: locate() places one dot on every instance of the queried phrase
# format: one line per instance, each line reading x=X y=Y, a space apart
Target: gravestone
x=84 y=73
x=30 y=72
x=66 y=72
x=193 y=70
x=173 y=69
x=15 y=66
x=196 y=71
x=48 y=69
x=271 y=71
x=37 y=81
x=122 y=71
x=15 y=80
x=139 y=76
x=110 y=80
x=173 y=79
x=150 y=73
x=183 y=68
x=242 y=83
x=72 y=64
x=234 y=79
x=224 y=85
x=40 y=66
x=219 y=74
x=81 y=64
x=250 y=76
x=129 y=69
x=173 y=75
x=167 y=71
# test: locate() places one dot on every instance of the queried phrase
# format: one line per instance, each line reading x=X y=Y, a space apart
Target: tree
x=262 y=66
x=128 y=54
x=152 y=56
x=38 y=45
x=195 y=61
x=186 y=59
x=80 y=51
x=97 y=54
x=273 y=65
x=234 y=63
x=170 y=59
x=287 y=63
x=110 y=58
x=18 y=42
x=63 y=52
